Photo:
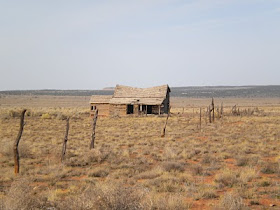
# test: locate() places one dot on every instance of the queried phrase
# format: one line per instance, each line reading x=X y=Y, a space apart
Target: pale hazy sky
x=56 y=44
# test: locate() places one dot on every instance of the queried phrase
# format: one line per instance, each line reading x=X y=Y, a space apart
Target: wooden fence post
x=164 y=128
x=222 y=110
x=213 y=109
x=200 y=118
x=93 y=129
x=210 y=120
x=16 y=143
x=234 y=110
x=206 y=115
x=65 y=140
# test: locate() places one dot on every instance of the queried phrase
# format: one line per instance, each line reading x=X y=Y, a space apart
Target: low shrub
x=269 y=168
x=265 y=183
x=206 y=192
x=93 y=156
x=242 y=161
x=173 y=166
x=13 y=113
x=6 y=149
x=46 y=116
x=61 y=116
x=154 y=173
x=227 y=178
x=232 y=201
x=247 y=175
x=21 y=196
x=107 y=196
x=166 y=184
x=99 y=172
x=197 y=170
x=166 y=202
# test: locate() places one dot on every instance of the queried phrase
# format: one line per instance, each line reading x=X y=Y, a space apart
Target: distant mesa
x=109 y=88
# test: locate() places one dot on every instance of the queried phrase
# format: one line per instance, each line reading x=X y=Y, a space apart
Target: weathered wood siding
x=136 y=109
x=155 y=100
x=103 y=110
x=166 y=103
x=117 y=109
x=155 y=109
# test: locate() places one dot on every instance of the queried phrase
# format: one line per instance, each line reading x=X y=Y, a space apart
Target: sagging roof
x=100 y=99
x=147 y=101
x=122 y=91
x=130 y=95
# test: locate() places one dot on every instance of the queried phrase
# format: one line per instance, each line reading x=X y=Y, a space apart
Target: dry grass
x=232 y=201
x=230 y=164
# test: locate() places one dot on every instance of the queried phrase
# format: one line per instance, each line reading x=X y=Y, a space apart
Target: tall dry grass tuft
x=21 y=196
x=227 y=178
x=232 y=201
x=107 y=196
x=173 y=166
x=167 y=202
x=6 y=149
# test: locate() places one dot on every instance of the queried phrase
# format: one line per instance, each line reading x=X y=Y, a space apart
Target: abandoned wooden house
x=132 y=101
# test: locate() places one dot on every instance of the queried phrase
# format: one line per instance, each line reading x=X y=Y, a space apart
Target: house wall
x=166 y=103
x=136 y=109
x=117 y=110
x=106 y=109
x=155 y=109
x=103 y=109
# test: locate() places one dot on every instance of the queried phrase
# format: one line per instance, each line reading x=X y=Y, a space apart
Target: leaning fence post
x=93 y=129
x=213 y=109
x=222 y=110
x=65 y=140
x=164 y=128
x=210 y=121
x=200 y=118
x=16 y=143
x=218 y=111
x=206 y=115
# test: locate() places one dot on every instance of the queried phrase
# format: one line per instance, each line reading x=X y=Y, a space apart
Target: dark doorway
x=147 y=109
x=129 y=109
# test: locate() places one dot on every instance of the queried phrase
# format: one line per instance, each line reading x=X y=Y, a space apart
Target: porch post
x=159 y=110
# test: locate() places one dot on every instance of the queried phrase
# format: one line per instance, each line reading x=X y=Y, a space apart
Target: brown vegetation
x=233 y=163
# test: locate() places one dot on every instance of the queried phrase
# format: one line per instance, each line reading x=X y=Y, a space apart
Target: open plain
x=232 y=163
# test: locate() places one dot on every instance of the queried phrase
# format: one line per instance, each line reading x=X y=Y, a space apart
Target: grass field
x=233 y=163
